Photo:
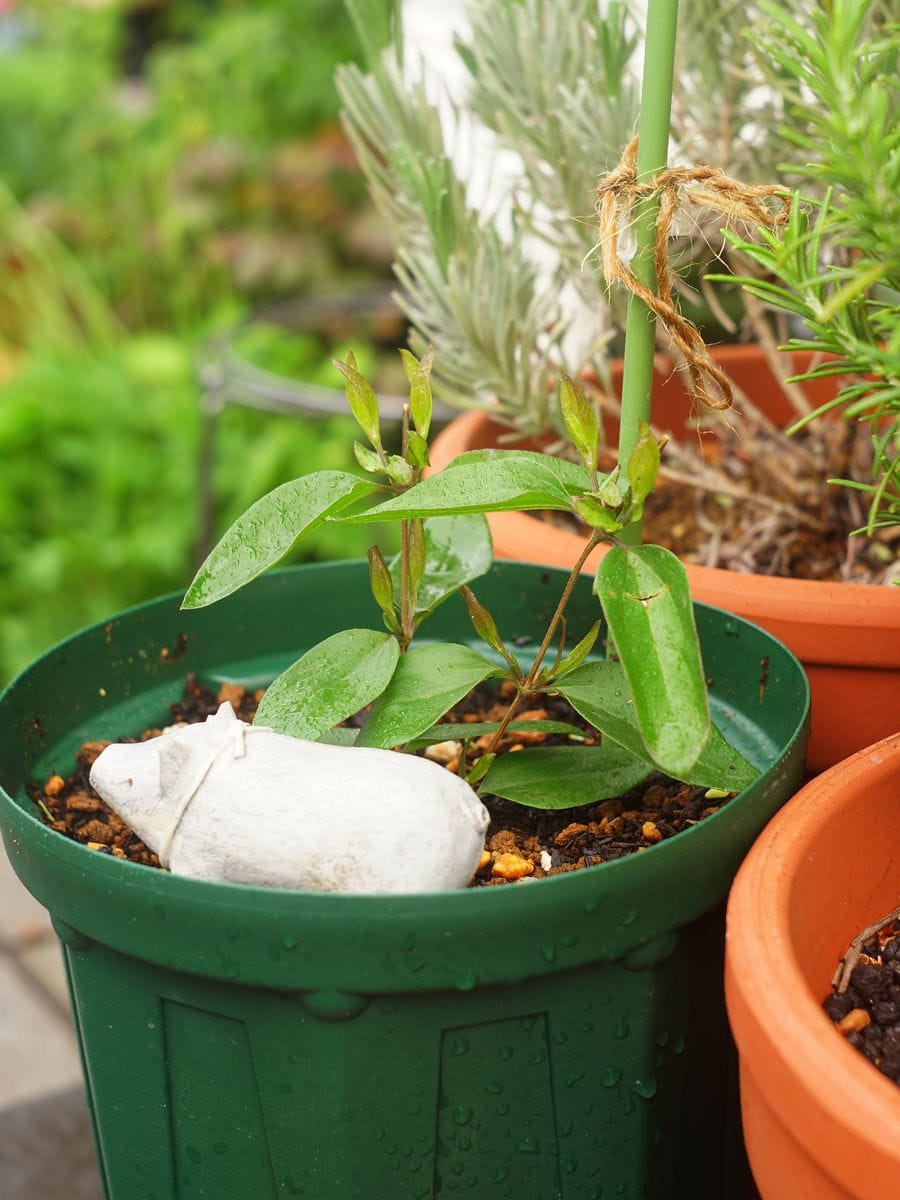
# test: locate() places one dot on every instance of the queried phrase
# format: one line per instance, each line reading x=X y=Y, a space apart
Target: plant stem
x=653 y=147
x=528 y=685
x=407 y=600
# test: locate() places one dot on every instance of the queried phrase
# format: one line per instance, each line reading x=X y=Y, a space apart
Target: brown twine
x=704 y=187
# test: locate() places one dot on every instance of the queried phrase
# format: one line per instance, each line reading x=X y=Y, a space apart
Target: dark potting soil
x=522 y=843
x=868 y=1012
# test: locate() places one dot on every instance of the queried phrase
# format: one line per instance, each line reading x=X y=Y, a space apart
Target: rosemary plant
x=836 y=266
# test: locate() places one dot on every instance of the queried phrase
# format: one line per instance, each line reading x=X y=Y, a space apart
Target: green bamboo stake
x=653 y=148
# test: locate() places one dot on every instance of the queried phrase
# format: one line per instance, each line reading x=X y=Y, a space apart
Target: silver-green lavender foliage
x=836 y=267
x=498 y=287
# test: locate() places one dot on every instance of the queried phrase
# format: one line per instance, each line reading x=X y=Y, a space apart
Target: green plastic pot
x=563 y=1038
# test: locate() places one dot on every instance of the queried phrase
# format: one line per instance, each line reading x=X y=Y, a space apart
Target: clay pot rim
x=821 y=1088
x=856 y=609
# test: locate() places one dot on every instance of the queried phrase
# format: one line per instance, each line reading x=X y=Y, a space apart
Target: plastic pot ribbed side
x=558 y=1039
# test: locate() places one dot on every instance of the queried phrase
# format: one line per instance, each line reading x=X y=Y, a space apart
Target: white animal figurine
x=225 y=800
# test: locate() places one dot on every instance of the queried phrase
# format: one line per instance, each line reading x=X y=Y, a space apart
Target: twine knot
x=677 y=187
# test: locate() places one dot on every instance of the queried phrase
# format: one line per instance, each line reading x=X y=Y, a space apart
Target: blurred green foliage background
x=164 y=169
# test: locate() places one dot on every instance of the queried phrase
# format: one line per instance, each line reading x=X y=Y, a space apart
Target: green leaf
x=458 y=550
x=599 y=692
x=367 y=459
x=269 y=529
x=480 y=768
x=647 y=602
x=428 y=681
x=595 y=513
x=362 y=400
x=417 y=555
x=555 y=777
x=503 y=484
x=420 y=401
x=410 y=363
x=454 y=732
x=381 y=583
x=341 y=735
x=580 y=419
x=578 y=653
x=398 y=470
x=643 y=465
x=482 y=621
x=417 y=450
x=330 y=683
x=573 y=477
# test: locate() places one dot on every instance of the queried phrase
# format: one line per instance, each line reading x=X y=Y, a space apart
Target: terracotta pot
x=846 y=635
x=820 y=1122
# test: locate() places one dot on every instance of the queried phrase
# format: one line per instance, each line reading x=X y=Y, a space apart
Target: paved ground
x=46 y=1151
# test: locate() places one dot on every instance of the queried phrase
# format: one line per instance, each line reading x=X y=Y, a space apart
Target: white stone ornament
x=224 y=800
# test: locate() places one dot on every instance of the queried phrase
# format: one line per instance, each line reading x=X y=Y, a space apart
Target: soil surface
x=868 y=1012
x=522 y=843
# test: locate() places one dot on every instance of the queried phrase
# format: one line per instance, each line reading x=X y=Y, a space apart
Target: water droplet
x=610 y=1076
x=560 y=1037
x=414 y=962
x=645 y=1087
x=596 y=1192
x=193 y=1154
x=622 y=1189
x=630 y=917
x=466 y=981
x=570 y=940
x=500 y=1174
x=621 y=1029
x=548 y=952
x=591 y=905
x=528 y=1146
x=527 y=1023
x=459 y=1047
x=493 y=1087
x=465 y=1142
x=220 y=1147
x=565 y=1126
x=628 y=1107
x=538 y=1056
x=502 y=1109
x=462 y=1114
x=505 y=1052
x=678 y=1044
x=471 y=1180
x=413 y=1110
x=568 y=1165
x=380 y=1135
x=663 y=1039
x=285 y=1089
x=573 y=1078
